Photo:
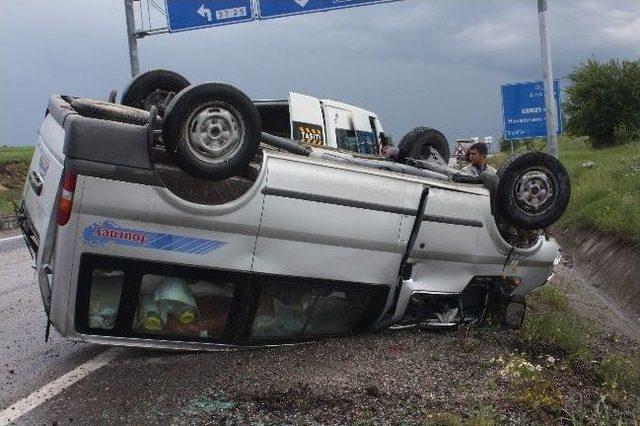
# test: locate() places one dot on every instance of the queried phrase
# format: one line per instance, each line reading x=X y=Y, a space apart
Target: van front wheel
x=212 y=130
x=533 y=190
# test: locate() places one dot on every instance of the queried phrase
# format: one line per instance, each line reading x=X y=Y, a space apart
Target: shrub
x=603 y=102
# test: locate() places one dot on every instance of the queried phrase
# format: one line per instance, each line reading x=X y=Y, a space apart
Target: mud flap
x=514 y=311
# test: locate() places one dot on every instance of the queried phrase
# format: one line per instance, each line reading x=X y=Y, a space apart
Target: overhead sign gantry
x=183 y=15
x=276 y=8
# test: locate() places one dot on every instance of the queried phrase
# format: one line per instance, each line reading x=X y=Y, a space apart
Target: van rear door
x=40 y=192
x=307 y=123
x=40 y=201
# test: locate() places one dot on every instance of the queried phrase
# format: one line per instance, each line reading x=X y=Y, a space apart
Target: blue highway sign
x=276 y=8
x=185 y=15
x=524 y=111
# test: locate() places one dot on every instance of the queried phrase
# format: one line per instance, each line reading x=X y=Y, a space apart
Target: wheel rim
x=215 y=132
x=534 y=190
x=158 y=98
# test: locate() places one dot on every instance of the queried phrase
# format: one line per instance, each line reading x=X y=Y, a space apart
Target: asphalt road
x=404 y=375
x=26 y=361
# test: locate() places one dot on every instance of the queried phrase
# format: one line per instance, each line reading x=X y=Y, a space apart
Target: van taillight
x=66 y=198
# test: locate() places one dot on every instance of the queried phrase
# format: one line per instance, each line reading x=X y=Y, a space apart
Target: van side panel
x=327 y=223
x=143 y=222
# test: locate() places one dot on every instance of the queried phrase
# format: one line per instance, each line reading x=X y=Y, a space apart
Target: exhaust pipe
x=285 y=144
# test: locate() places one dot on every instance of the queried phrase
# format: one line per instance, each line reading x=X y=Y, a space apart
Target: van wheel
x=417 y=143
x=212 y=130
x=533 y=190
x=153 y=88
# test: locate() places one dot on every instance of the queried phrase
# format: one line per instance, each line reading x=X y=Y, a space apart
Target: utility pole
x=547 y=72
x=131 y=36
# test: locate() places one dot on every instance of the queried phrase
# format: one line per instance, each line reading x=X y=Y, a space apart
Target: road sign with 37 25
x=185 y=15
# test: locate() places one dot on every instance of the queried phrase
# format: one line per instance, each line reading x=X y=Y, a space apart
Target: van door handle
x=35 y=182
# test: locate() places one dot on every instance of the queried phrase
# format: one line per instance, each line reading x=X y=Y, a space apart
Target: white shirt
x=474 y=171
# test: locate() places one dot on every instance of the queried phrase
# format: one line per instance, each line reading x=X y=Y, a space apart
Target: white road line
x=51 y=389
x=11 y=238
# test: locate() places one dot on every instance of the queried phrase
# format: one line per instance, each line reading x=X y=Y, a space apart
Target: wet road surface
x=26 y=361
x=406 y=375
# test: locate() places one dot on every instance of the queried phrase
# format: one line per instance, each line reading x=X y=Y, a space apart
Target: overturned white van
x=291 y=243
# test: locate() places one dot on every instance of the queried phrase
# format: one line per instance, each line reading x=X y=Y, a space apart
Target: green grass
x=552 y=323
x=20 y=154
x=12 y=176
x=618 y=372
x=605 y=197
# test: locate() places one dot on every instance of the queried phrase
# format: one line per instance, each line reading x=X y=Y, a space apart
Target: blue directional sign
x=185 y=15
x=524 y=111
x=276 y=8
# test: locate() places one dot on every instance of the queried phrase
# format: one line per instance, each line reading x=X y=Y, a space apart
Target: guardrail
x=8 y=221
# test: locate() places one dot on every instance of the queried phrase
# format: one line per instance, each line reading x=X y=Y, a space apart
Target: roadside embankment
x=607 y=262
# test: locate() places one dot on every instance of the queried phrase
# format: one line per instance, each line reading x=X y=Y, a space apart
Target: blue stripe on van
x=109 y=232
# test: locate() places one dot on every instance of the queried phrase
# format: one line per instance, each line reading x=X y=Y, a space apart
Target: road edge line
x=13 y=412
x=10 y=238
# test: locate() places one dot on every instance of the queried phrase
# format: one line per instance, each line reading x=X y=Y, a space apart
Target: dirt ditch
x=608 y=263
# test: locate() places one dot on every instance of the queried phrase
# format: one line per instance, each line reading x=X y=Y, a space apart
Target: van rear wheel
x=212 y=130
x=153 y=88
x=417 y=144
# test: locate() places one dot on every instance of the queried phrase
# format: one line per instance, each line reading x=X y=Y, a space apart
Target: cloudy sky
x=415 y=62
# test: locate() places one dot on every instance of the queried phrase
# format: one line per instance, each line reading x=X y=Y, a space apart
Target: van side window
x=137 y=298
x=366 y=143
x=299 y=312
x=142 y=299
x=181 y=306
x=346 y=139
x=106 y=289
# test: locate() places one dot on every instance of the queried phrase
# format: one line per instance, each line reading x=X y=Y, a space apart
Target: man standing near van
x=477 y=156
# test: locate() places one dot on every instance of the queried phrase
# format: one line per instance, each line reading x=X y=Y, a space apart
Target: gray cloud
x=416 y=62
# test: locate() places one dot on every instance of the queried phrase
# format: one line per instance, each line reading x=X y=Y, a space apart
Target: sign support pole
x=131 y=36
x=547 y=72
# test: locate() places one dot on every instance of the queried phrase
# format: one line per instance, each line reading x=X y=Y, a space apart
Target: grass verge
x=604 y=196
x=553 y=325
x=557 y=340
x=19 y=154
x=14 y=165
